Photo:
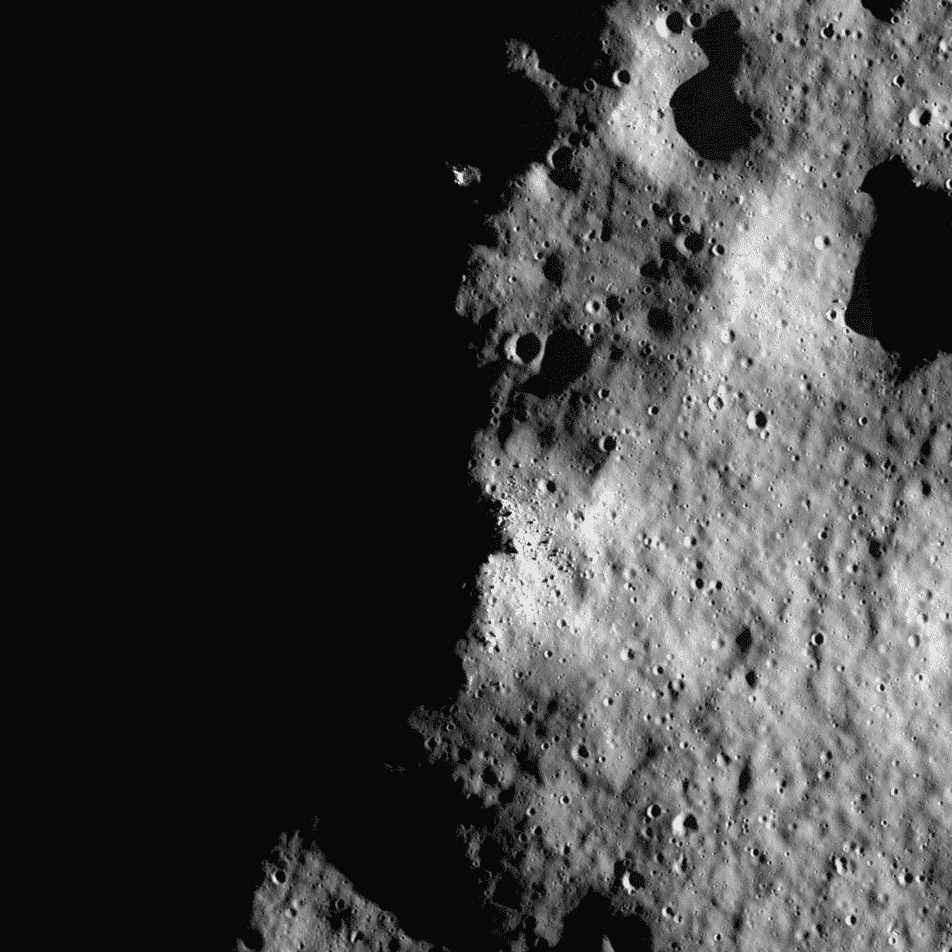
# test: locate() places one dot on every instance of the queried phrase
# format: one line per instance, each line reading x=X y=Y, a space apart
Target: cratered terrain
x=693 y=692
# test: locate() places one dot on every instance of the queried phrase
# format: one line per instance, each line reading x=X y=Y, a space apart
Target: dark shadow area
x=569 y=45
x=882 y=9
x=500 y=120
x=394 y=836
x=510 y=124
x=669 y=253
x=707 y=113
x=744 y=641
x=899 y=294
x=661 y=322
x=528 y=347
x=744 y=780
x=554 y=269
x=566 y=358
x=252 y=939
x=635 y=879
x=570 y=180
x=594 y=919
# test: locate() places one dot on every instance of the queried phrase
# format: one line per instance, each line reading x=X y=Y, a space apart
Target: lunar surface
x=697 y=693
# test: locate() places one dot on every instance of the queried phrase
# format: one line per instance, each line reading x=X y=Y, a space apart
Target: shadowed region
x=744 y=780
x=744 y=640
x=707 y=113
x=661 y=322
x=569 y=45
x=568 y=179
x=899 y=280
x=594 y=921
x=449 y=909
x=528 y=347
x=554 y=269
x=566 y=358
x=883 y=10
x=506 y=121
x=495 y=105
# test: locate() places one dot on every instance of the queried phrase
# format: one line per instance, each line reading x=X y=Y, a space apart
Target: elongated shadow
x=899 y=284
x=707 y=113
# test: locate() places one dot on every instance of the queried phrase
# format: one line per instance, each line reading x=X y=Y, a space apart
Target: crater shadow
x=707 y=113
x=900 y=280
x=554 y=269
x=566 y=358
x=661 y=322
